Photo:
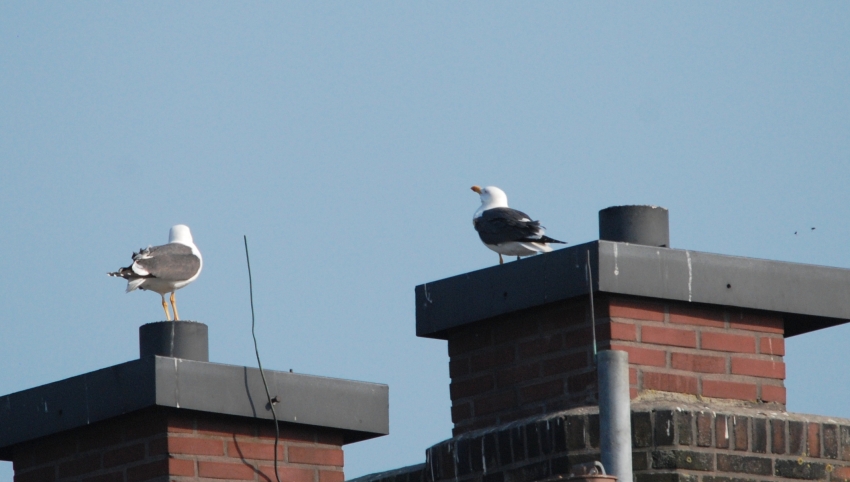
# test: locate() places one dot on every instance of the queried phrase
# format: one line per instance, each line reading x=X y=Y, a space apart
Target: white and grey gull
x=505 y=230
x=165 y=269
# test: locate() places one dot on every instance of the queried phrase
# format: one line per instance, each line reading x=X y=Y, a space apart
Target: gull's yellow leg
x=165 y=307
x=501 y=261
x=174 y=307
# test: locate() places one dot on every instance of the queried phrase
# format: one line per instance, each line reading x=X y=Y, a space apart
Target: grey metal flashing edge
x=359 y=409
x=808 y=297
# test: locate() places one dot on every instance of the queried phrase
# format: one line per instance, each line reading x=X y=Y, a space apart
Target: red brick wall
x=187 y=446
x=539 y=360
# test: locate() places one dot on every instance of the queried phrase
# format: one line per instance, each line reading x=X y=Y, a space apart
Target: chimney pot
x=177 y=339
x=645 y=225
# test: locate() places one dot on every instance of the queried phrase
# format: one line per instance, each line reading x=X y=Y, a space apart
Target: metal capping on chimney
x=633 y=258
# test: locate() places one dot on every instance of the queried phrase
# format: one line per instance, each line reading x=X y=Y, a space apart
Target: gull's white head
x=180 y=234
x=491 y=197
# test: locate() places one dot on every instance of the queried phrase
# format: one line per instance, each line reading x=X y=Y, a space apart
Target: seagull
x=165 y=269
x=505 y=230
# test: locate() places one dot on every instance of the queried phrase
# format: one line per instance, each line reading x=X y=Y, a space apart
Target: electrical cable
x=259 y=363
x=592 y=311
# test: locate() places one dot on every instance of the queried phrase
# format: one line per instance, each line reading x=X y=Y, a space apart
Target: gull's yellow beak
x=476 y=189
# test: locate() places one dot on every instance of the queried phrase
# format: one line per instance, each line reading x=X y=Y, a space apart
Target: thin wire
x=257 y=351
x=592 y=311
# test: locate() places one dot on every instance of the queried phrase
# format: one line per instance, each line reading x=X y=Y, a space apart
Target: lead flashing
x=359 y=409
x=808 y=297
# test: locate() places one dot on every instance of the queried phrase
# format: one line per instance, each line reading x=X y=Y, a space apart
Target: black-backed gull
x=505 y=230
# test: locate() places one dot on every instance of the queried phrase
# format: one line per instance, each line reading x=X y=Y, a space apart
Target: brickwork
x=670 y=443
x=180 y=445
x=539 y=360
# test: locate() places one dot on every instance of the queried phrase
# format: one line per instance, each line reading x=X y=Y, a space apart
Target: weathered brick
x=218 y=425
x=641 y=429
x=772 y=345
x=491 y=358
x=698 y=363
x=743 y=464
x=726 y=389
x=42 y=474
x=461 y=411
x=758 y=368
x=773 y=393
x=123 y=455
x=727 y=342
x=80 y=466
x=487 y=404
x=117 y=476
x=668 y=336
x=796 y=438
x=665 y=477
x=541 y=391
x=759 y=436
x=532 y=440
x=462 y=449
x=667 y=382
x=224 y=470
x=458 y=366
x=643 y=356
x=565 y=363
x=844 y=433
x=324 y=475
x=582 y=381
x=471 y=387
x=491 y=450
x=621 y=331
x=684 y=421
x=518 y=443
x=468 y=341
x=740 y=427
x=799 y=469
x=682 y=459
x=315 y=455
x=777 y=436
x=505 y=452
x=830 y=441
x=721 y=429
x=575 y=432
x=510 y=332
x=640 y=460
x=840 y=473
x=528 y=472
x=252 y=450
x=752 y=321
x=813 y=440
x=511 y=376
x=559 y=435
x=195 y=446
x=540 y=346
x=593 y=430
x=689 y=315
x=635 y=310
x=711 y=478
x=158 y=468
x=664 y=429
x=705 y=424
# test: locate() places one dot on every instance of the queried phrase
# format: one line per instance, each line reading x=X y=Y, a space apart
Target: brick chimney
x=165 y=418
x=705 y=338
x=697 y=326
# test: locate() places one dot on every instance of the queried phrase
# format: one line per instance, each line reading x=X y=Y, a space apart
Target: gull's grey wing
x=173 y=262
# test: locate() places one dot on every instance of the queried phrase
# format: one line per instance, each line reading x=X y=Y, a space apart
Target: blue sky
x=342 y=139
